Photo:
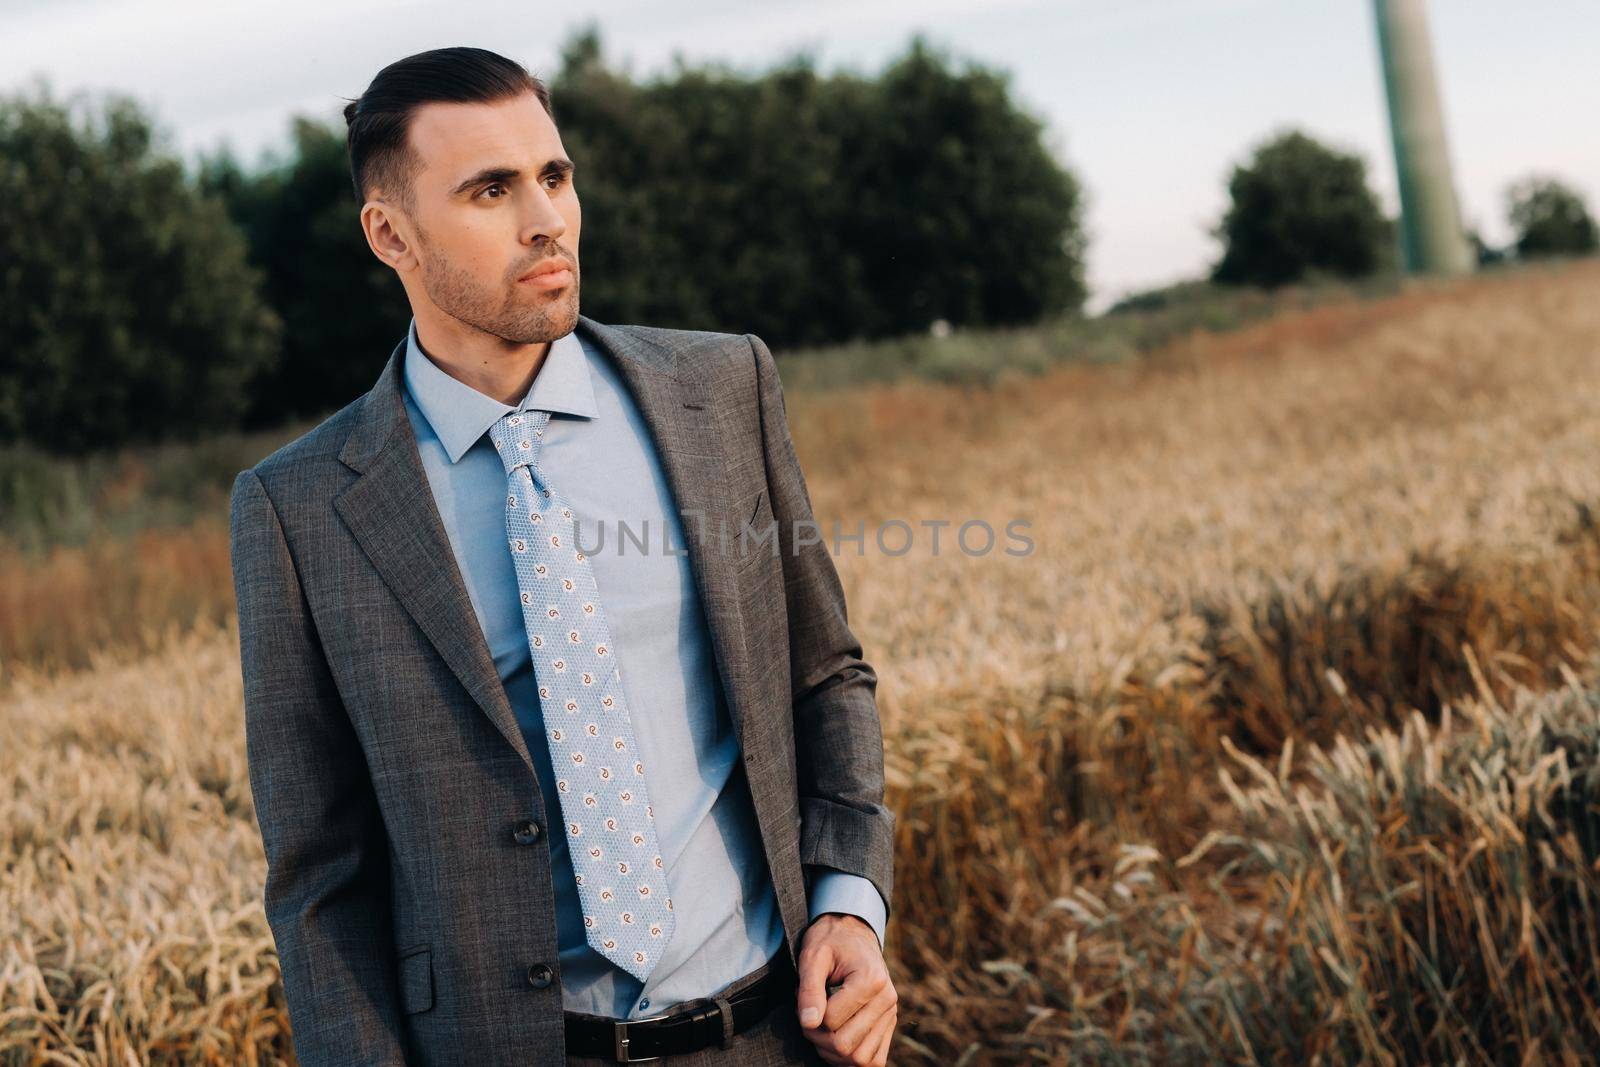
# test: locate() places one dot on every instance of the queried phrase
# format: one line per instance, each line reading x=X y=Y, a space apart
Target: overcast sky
x=1148 y=101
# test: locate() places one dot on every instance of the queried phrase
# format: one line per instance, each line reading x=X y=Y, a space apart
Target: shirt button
x=645 y=1003
x=527 y=832
x=539 y=975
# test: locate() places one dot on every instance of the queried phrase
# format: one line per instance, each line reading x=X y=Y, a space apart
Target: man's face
x=492 y=199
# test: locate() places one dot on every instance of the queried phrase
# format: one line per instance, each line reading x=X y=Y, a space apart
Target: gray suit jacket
x=409 y=898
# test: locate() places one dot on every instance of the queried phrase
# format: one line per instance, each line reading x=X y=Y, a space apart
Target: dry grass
x=1280 y=747
x=142 y=588
x=130 y=915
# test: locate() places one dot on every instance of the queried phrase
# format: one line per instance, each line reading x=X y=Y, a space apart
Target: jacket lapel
x=675 y=402
x=391 y=512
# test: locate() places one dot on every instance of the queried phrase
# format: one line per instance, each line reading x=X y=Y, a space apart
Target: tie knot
x=517 y=436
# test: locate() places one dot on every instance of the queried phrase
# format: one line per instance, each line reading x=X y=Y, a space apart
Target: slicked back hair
x=378 y=121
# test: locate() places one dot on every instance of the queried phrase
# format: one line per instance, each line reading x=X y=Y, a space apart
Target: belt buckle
x=619 y=1042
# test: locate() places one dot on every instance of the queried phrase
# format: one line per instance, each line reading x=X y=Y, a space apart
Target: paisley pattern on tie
x=600 y=776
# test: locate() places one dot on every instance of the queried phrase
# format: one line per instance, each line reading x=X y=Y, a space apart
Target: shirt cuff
x=833 y=890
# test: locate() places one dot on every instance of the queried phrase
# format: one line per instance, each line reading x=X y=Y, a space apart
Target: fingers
x=884 y=1035
x=864 y=1037
x=816 y=963
x=873 y=1050
x=860 y=986
x=853 y=1031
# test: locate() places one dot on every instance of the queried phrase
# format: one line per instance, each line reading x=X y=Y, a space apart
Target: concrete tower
x=1431 y=236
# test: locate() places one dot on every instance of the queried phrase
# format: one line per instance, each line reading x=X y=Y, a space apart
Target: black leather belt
x=691 y=1026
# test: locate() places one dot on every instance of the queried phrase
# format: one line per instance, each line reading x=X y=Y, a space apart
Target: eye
x=491 y=185
x=559 y=179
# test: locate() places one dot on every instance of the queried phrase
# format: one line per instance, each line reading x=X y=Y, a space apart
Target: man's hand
x=855 y=1025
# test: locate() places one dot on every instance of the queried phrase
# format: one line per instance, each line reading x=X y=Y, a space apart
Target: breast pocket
x=416 y=979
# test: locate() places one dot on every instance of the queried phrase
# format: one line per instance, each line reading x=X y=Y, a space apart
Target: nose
x=543 y=221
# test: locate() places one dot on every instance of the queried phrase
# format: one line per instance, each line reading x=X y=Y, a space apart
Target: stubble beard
x=510 y=312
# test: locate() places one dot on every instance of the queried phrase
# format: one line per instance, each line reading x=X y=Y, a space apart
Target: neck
x=493 y=366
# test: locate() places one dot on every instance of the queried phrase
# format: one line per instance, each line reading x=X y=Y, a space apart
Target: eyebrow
x=560 y=165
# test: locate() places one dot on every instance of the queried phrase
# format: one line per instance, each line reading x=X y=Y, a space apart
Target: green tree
x=1549 y=218
x=813 y=208
x=342 y=309
x=1298 y=209
x=127 y=307
x=956 y=208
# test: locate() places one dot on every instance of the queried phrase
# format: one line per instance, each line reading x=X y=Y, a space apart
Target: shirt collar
x=460 y=414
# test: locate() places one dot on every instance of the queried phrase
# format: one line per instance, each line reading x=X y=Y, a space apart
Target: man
x=523 y=775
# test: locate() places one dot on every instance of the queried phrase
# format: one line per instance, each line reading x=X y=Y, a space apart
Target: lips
x=549 y=266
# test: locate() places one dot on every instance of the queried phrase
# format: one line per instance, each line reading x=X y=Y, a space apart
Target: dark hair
x=378 y=122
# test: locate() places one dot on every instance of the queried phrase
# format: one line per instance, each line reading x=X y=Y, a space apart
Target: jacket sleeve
x=327 y=889
x=844 y=823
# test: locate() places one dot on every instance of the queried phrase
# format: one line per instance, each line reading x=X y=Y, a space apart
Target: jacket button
x=539 y=975
x=527 y=832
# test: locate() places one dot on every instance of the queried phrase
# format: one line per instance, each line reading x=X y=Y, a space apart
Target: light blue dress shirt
x=598 y=454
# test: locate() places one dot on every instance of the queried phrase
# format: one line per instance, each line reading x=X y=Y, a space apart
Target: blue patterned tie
x=611 y=835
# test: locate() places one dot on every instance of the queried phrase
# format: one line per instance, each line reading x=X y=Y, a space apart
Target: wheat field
x=1281 y=746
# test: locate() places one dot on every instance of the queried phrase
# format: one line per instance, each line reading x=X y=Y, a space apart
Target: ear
x=387 y=235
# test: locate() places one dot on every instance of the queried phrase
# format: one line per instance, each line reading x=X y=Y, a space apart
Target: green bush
x=343 y=310
x=1549 y=218
x=816 y=208
x=1301 y=209
x=127 y=307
